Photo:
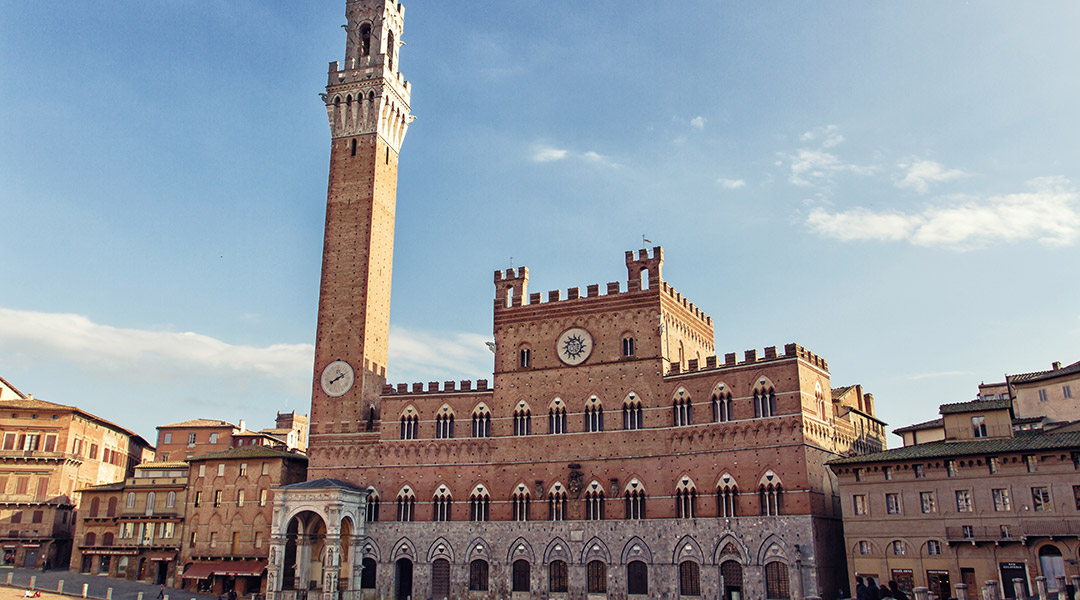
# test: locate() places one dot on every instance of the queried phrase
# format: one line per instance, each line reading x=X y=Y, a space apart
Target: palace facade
x=613 y=453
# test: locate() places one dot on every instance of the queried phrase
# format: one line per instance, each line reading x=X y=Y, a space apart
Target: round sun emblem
x=574 y=346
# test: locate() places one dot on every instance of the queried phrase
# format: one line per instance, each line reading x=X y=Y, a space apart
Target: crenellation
x=554 y=295
x=612 y=288
x=770 y=352
x=573 y=293
x=417 y=388
x=433 y=386
x=692 y=364
x=387 y=389
x=534 y=298
x=750 y=356
x=710 y=362
x=481 y=384
x=593 y=290
x=466 y=385
x=449 y=386
x=402 y=388
x=729 y=359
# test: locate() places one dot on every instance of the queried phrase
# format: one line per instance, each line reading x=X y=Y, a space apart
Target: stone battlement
x=448 y=387
x=512 y=285
x=751 y=357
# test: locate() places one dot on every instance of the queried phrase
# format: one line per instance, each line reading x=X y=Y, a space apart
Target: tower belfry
x=367 y=103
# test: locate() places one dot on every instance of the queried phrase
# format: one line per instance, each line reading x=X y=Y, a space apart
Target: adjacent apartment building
x=987 y=501
x=49 y=452
x=132 y=529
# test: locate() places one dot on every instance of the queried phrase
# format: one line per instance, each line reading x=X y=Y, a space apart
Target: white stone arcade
x=315 y=536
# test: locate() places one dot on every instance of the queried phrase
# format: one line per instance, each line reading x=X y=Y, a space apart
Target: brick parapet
x=751 y=357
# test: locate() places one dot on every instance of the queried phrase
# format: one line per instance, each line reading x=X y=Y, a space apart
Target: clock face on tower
x=574 y=346
x=337 y=378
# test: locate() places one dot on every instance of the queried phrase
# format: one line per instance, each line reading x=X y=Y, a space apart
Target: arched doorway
x=345 y=554
x=304 y=540
x=1052 y=565
x=731 y=579
x=403 y=579
x=440 y=579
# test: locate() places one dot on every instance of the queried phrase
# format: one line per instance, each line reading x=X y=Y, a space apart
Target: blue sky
x=892 y=185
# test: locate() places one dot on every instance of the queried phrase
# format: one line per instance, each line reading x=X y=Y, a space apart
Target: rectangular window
x=628 y=346
x=963 y=501
x=993 y=464
x=1001 y=500
x=1076 y=496
x=1040 y=499
x=217 y=498
x=887 y=471
x=194 y=538
x=32 y=441
x=927 y=501
x=1042 y=395
x=258 y=539
x=524 y=358
x=16 y=517
x=950 y=468
x=920 y=471
x=978 y=426
x=191 y=439
x=50 y=442
x=968 y=531
x=9 y=441
x=22 y=485
x=1029 y=462
x=933 y=548
x=221 y=469
x=860 y=504
x=262 y=497
x=170 y=530
x=892 y=503
x=213 y=539
x=166 y=438
x=198 y=499
x=240 y=498
x=1066 y=391
x=37 y=516
x=213 y=438
x=243 y=469
x=1006 y=532
x=864 y=548
x=858 y=474
x=202 y=470
x=93 y=451
x=266 y=468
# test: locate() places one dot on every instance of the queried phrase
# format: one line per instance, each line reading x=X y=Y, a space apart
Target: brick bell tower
x=367 y=103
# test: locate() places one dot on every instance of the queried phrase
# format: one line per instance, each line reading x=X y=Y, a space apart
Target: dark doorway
x=938 y=582
x=440 y=579
x=162 y=573
x=1010 y=571
x=30 y=559
x=403 y=579
x=731 y=572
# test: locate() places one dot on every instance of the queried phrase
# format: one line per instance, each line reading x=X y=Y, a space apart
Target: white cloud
x=815 y=165
x=829 y=135
x=919 y=174
x=731 y=184
x=422 y=356
x=544 y=154
x=77 y=339
x=698 y=123
x=1048 y=214
x=39 y=337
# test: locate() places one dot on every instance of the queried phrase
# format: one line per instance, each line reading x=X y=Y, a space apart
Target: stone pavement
x=122 y=589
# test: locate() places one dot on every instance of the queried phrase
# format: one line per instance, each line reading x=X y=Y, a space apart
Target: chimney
x=243 y=426
x=1056 y=365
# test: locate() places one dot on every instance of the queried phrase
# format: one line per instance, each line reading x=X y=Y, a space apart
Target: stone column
x=922 y=593
x=273 y=569
x=1076 y=587
x=1040 y=583
x=960 y=590
x=990 y=590
x=1018 y=588
x=1062 y=588
x=331 y=564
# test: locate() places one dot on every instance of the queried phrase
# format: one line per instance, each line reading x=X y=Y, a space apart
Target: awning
x=252 y=568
